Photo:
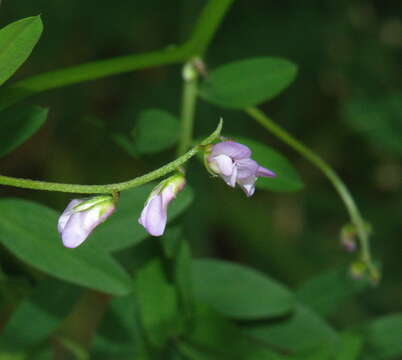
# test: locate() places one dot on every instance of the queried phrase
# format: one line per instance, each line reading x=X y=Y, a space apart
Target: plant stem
x=207 y=25
x=111 y=188
x=338 y=184
x=199 y=40
x=189 y=99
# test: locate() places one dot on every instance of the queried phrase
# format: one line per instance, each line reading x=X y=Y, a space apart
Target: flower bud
x=348 y=237
x=232 y=162
x=81 y=216
x=154 y=215
x=358 y=269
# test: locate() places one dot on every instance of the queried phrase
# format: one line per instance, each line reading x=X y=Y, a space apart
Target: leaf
x=384 y=336
x=17 y=41
x=248 y=82
x=378 y=120
x=183 y=277
x=238 y=291
x=324 y=293
x=18 y=124
x=156 y=130
x=125 y=143
x=122 y=230
x=12 y=356
x=286 y=178
x=350 y=347
x=301 y=331
x=215 y=338
x=47 y=306
x=118 y=335
x=28 y=230
x=157 y=302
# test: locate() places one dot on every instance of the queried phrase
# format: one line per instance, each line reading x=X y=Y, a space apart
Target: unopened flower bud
x=357 y=269
x=154 y=215
x=348 y=237
x=81 y=216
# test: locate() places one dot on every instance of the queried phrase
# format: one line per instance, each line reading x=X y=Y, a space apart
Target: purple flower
x=154 y=215
x=232 y=162
x=81 y=216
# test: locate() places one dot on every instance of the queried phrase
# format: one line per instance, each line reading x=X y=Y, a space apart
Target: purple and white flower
x=154 y=215
x=232 y=162
x=81 y=216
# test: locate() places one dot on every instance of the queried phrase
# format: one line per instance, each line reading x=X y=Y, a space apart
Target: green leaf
x=350 y=347
x=302 y=331
x=118 y=335
x=122 y=229
x=12 y=356
x=384 y=337
x=157 y=302
x=238 y=291
x=183 y=277
x=248 y=82
x=18 y=124
x=286 y=178
x=378 y=120
x=215 y=338
x=17 y=41
x=325 y=292
x=156 y=130
x=125 y=143
x=47 y=306
x=28 y=230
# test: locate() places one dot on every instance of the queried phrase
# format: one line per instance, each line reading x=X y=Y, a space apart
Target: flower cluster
x=227 y=159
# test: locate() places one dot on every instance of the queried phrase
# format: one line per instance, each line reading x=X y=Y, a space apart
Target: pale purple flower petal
x=168 y=194
x=230 y=179
x=232 y=162
x=248 y=185
x=65 y=216
x=223 y=164
x=246 y=168
x=77 y=222
x=154 y=215
x=262 y=171
x=232 y=149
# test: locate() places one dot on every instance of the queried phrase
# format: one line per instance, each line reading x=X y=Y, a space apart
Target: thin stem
x=110 y=188
x=338 y=184
x=199 y=40
x=25 y=88
x=207 y=25
x=188 y=107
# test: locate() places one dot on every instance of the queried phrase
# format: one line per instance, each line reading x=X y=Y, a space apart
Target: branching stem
x=332 y=176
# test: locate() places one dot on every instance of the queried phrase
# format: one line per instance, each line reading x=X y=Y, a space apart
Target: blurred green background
x=346 y=104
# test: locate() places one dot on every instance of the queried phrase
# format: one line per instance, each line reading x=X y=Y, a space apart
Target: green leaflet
x=248 y=82
x=17 y=41
x=18 y=124
x=28 y=230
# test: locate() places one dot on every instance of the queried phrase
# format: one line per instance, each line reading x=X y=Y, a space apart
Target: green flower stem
x=188 y=107
x=203 y=32
x=340 y=187
x=111 y=188
x=207 y=25
x=25 y=88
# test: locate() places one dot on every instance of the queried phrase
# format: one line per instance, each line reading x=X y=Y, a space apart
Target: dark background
x=345 y=104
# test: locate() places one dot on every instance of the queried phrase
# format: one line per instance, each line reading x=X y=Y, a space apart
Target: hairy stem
x=188 y=107
x=198 y=42
x=111 y=188
x=338 y=184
